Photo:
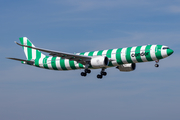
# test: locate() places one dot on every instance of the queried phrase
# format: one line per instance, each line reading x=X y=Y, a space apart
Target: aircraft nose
x=169 y=52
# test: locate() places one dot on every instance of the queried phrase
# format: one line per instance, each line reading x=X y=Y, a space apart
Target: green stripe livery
x=132 y=55
x=158 y=52
x=128 y=55
x=118 y=56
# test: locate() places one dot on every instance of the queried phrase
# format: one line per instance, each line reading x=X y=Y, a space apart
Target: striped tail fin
x=31 y=54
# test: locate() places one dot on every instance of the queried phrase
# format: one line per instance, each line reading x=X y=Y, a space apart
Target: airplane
x=124 y=59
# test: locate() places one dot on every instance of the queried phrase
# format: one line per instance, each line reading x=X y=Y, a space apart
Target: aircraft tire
x=83 y=74
x=156 y=65
x=99 y=76
x=104 y=73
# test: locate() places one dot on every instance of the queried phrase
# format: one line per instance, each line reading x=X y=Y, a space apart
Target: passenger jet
x=124 y=59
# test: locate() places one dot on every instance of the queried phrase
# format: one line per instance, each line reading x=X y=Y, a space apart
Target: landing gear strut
x=86 y=70
x=156 y=65
x=103 y=73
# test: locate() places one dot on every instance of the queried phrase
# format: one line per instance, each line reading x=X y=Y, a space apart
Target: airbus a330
x=124 y=59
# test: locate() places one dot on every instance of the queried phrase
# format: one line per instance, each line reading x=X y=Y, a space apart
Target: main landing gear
x=99 y=76
x=103 y=73
x=85 y=72
x=156 y=65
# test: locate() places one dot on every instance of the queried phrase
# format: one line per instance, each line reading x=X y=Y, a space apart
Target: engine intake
x=99 y=61
x=127 y=67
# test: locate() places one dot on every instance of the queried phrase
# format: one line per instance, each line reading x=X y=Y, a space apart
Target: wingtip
x=8 y=58
x=17 y=43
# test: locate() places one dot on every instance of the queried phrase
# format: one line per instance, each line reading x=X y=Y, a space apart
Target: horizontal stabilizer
x=27 y=61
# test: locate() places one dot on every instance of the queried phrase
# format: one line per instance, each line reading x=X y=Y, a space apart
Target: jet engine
x=127 y=67
x=99 y=61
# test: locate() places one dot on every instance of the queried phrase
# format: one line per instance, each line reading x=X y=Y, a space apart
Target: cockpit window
x=165 y=47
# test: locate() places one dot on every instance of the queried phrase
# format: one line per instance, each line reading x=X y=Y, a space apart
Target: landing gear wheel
x=156 y=65
x=99 y=76
x=104 y=73
x=87 y=71
x=83 y=74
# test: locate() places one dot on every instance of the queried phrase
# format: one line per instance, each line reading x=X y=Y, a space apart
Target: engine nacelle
x=127 y=67
x=99 y=61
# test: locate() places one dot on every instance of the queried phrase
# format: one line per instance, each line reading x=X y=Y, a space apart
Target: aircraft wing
x=79 y=58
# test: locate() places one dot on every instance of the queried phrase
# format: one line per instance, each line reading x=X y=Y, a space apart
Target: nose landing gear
x=156 y=65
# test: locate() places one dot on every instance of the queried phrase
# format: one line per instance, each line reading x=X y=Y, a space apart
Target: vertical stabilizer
x=31 y=54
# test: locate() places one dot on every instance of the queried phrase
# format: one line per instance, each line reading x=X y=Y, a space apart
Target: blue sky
x=83 y=25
